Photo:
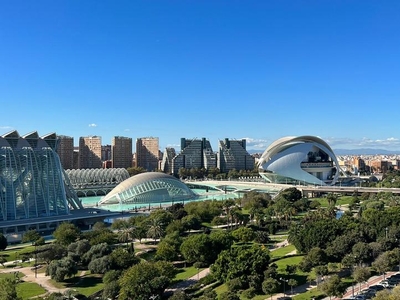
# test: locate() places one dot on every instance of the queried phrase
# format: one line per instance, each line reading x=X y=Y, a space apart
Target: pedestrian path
x=357 y=288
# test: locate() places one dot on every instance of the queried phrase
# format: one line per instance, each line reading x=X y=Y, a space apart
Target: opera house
x=150 y=187
x=304 y=160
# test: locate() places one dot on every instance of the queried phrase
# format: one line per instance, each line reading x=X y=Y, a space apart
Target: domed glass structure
x=304 y=160
x=150 y=187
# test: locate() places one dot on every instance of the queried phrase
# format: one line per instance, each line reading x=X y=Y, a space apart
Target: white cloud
x=92 y=125
x=257 y=144
x=390 y=143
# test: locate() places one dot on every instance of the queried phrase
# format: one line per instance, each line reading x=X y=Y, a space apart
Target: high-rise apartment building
x=90 y=152
x=147 y=153
x=106 y=153
x=121 y=152
x=65 y=151
x=166 y=164
x=232 y=154
x=194 y=154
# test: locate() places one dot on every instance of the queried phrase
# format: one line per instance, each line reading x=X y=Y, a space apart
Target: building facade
x=147 y=153
x=194 y=153
x=65 y=151
x=90 y=152
x=304 y=160
x=34 y=185
x=166 y=163
x=121 y=152
x=232 y=154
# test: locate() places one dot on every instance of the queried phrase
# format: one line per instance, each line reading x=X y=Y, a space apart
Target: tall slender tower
x=65 y=151
x=90 y=152
x=121 y=152
x=147 y=153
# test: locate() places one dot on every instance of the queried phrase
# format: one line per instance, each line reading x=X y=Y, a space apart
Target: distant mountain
x=365 y=151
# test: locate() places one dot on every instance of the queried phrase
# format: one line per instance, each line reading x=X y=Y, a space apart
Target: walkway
x=40 y=278
x=355 y=289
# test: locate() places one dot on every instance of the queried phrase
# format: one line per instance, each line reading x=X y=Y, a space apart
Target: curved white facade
x=303 y=160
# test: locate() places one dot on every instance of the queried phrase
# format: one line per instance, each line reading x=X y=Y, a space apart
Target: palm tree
x=332 y=199
x=155 y=230
x=126 y=235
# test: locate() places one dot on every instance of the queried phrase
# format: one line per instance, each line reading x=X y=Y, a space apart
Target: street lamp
x=284 y=285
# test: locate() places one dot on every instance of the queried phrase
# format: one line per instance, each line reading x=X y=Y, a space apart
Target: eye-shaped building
x=304 y=160
x=150 y=187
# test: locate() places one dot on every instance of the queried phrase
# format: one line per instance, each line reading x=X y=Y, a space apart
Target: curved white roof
x=149 y=187
x=286 y=158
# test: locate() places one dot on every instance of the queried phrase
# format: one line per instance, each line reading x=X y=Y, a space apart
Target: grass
x=313 y=293
x=16 y=253
x=85 y=285
x=342 y=200
x=283 y=251
x=27 y=290
x=185 y=273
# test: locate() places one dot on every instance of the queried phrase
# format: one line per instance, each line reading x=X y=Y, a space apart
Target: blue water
x=93 y=201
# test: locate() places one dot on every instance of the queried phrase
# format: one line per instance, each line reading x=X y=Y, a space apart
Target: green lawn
x=27 y=290
x=342 y=200
x=314 y=293
x=281 y=252
x=17 y=253
x=185 y=273
x=85 y=285
x=24 y=289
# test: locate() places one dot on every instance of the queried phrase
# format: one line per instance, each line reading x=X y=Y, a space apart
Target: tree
x=60 y=269
x=179 y=295
x=333 y=286
x=388 y=294
x=100 y=265
x=31 y=236
x=383 y=263
x=228 y=295
x=145 y=280
x=244 y=234
x=122 y=259
x=96 y=251
x=332 y=199
x=166 y=251
x=270 y=286
x=198 y=248
x=111 y=284
x=3 y=242
x=248 y=263
x=361 y=274
x=66 y=233
x=8 y=289
x=50 y=252
x=292 y=282
x=155 y=230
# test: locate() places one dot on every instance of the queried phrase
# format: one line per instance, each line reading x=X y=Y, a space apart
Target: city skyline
x=254 y=70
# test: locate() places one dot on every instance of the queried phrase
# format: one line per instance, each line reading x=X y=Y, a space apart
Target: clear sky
x=259 y=70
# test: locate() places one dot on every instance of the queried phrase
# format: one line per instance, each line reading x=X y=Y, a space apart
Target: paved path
x=357 y=288
x=40 y=278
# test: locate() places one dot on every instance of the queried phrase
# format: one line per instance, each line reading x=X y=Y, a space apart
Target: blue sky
x=259 y=70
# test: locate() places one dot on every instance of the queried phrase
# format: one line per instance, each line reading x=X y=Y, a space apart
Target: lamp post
x=35 y=259
x=284 y=285
x=386 y=232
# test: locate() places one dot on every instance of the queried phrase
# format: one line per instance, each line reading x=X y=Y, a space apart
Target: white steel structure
x=304 y=160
